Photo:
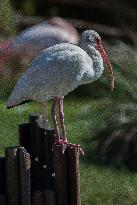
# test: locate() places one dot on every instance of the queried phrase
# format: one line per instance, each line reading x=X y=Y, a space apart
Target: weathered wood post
x=61 y=176
x=39 y=142
x=55 y=177
x=38 y=198
x=73 y=155
x=50 y=198
x=24 y=135
x=17 y=176
x=12 y=175
x=25 y=175
x=3 y=198
x=44 y=198
x=67 y=175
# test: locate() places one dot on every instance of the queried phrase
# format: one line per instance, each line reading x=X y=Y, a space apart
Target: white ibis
x=60 y=69
x=28 y=44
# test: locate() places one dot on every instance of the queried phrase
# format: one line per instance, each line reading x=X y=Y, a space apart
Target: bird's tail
x=20 y=93
x=4 y=52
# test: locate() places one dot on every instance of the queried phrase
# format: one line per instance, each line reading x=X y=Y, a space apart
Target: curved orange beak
x=105 y=58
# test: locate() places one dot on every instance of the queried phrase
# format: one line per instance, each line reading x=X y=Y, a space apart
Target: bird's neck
x=96 y=58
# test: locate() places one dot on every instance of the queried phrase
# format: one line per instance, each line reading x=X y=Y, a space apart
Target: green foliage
x=6 y=18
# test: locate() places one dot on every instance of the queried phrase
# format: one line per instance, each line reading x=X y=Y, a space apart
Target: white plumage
x=60 y=69
x=56 y=72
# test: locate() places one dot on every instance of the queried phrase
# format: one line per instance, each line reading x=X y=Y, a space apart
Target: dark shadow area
x=89 y=90
x=115 y=146
x=98 y=90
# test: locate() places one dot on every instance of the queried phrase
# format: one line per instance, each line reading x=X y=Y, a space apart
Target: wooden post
x=34 y=137
x=17 y=176
x=12 y=175
x=41 y=144
x=61 y=181
x=2 y=176
x=46 y=159
x=44 y=198
x=25 y=163
x=73 y=176
x=38 y=198
x=49 y=197
x=55 y=176
x=24 y=136
x=3 y=199
x=35 y=153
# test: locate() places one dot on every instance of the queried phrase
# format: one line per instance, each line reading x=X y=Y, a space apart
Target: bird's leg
x=43 y=116
x=61 y=117
x=63 y=141
x=53 y=113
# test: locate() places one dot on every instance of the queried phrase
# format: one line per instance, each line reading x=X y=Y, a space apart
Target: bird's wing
x=60 y=58
x=55 y=72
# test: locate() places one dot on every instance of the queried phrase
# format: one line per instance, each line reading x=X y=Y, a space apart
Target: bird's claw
x=78 y=147
x=64 y=144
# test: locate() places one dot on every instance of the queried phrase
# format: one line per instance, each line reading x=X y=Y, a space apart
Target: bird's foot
x=63 y=143
x=77 y=146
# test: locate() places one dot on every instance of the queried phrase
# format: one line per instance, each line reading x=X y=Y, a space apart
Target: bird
x=59 y=70
x=27 y=45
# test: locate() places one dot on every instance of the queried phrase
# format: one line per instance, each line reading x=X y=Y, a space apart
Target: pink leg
x=64 y=139
x=61 y=117
x=53 y=113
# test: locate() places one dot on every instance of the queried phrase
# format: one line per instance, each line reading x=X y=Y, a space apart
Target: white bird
x=57 y=71
x=28 y=44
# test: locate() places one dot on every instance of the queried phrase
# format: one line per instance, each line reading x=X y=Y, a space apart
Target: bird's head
x=92 y=38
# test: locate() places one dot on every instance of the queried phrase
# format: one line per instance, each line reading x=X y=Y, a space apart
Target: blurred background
x=103 y=122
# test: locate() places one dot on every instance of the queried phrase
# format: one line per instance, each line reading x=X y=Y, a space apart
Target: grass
x=100 y=184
